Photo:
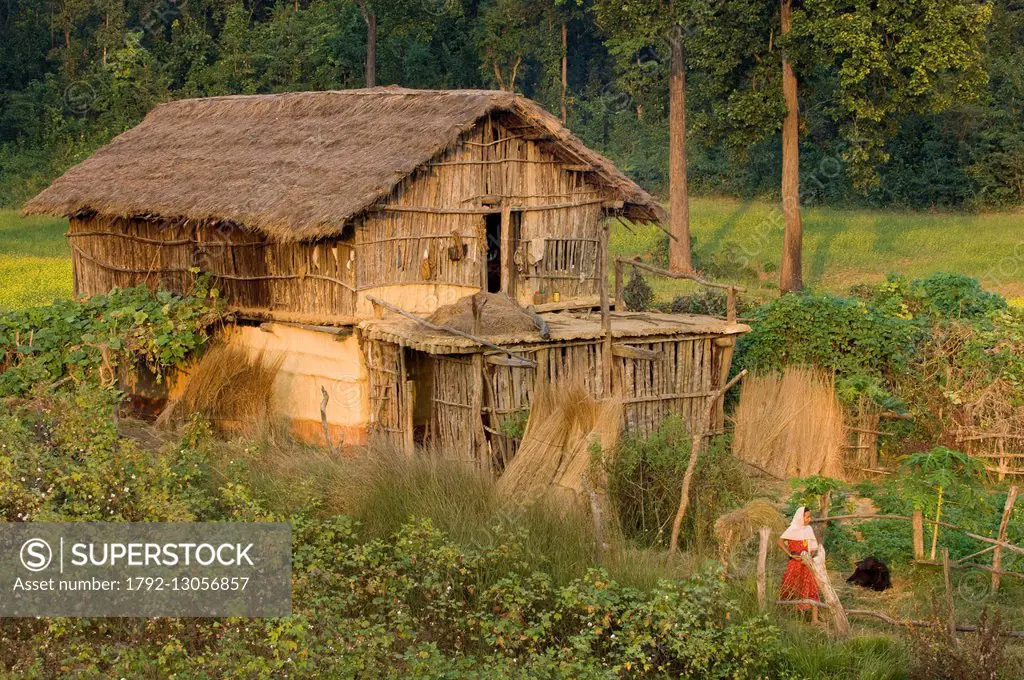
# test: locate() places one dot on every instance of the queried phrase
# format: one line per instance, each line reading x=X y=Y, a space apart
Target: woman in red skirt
x=798 y=582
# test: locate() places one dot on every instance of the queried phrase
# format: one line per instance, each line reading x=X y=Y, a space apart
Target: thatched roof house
x=316 y=211
x=408 y=186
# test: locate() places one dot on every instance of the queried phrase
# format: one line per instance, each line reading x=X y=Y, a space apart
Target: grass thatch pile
x=566 y=427
x=230 y=387
x=738 y=526
x=499 y=315
x=790 y=425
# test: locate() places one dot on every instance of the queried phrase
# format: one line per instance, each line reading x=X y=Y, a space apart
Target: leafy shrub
x=88 y=341
x=637 y=294
x=646 y=478
x=939 y=656
x=837 y=334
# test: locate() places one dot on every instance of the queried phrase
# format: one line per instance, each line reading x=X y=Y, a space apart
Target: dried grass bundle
x=231 y=387
x=737 y=526
x=791 y=425
x=565 y=423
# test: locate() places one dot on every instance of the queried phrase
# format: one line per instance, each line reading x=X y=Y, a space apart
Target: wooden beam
x=629 y=352
x=679 y=275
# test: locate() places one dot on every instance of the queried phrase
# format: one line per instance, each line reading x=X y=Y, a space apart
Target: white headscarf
x=798 y=531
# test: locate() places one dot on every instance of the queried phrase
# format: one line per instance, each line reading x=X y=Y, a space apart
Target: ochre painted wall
x=313 y=359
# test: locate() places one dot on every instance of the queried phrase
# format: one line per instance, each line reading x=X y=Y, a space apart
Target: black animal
x=871 y=573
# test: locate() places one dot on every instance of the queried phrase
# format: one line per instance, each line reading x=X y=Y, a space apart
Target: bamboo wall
x=412 y=238
x=472 y=396
x=313 y=279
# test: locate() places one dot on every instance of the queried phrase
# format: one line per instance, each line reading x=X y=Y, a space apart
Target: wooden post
x=507 y=254
x=620 y=302
x=408 y=408
x=762 y=565
x=828 y=594
x=918 y=530
x=997 y=553
x=323 y=419
x=606 y=317
x=730 y=305
x=477 y=413
x=950 y=609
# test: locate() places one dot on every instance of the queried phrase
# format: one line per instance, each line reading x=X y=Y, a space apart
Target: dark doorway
x=494 y=253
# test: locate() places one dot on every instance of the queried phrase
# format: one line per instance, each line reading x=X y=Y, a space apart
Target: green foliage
x=63 y=460
x=411 y=601
x=637 y=293
x=809 y=492
x=940 y=62
x=90 y=341
x=849 y=337
x=645 y=480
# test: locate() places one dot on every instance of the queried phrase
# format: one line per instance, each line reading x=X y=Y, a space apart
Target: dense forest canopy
x=74 y=73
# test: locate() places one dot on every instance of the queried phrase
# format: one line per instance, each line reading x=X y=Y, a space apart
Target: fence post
x=828 y=594
x=762 y=565
x=997 y=554
x=620 y=302
x=918 y=529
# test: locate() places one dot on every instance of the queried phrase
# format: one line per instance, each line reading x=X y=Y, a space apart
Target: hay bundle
x=556 y=453
x=790 y=425
x=232 y=388
x=738 y=526
x=500 y=315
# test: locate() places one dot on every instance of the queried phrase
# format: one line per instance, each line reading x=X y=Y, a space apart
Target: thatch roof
x=295 y=165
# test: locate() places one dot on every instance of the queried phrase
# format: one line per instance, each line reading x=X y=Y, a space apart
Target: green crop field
x=35 y=260
x=738 y=240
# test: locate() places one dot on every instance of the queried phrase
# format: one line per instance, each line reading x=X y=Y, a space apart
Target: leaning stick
x=697 y=444
x=832 y=602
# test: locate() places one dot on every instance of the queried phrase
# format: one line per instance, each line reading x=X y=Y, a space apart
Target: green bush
x=837 y=334
x=646 y=478
x=88 y=341
x=637 y=293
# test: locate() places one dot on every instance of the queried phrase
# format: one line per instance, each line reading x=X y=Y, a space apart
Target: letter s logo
x=36 y=554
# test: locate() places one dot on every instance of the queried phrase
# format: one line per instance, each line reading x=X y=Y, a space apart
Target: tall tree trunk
x=679 y=247
x=371 y=42
x=106 y=23
x=565 y=70
x=792 y=278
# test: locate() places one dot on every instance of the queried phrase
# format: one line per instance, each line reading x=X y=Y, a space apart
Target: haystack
x=790 y=424
x=230 y=387
x=566 y=426
x=499 y=315
x=738 y=526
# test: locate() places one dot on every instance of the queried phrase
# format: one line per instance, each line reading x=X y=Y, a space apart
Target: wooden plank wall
x=455 y=422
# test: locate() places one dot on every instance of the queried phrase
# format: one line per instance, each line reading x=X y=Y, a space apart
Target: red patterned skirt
x=798 y=582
